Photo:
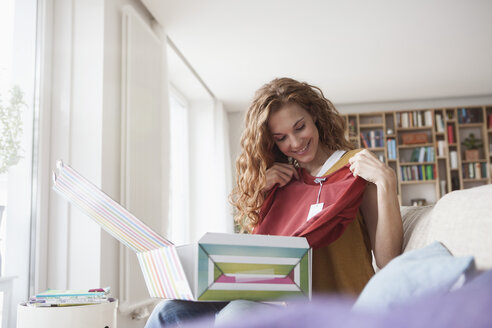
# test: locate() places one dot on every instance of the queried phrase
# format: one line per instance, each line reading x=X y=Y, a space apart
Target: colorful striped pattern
x=110 y=215
x=164 y=274
x=252 y=272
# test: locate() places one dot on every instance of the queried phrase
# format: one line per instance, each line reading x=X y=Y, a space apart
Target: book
x=453 y=157
x=441 y=144
x=428 y=118
x=422 y=154
x=430 y=173
x=450 y=134
x=443 y=187
x=364 y=140
x=51 y=293
x=56 y=297
x=372 y=138
x=478 y=171
x=439 y=123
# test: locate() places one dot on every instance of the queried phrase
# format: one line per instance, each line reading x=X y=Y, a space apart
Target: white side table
x=95 y=316
x=6 y=288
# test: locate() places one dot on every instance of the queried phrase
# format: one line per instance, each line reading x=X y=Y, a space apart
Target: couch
x=462 y=222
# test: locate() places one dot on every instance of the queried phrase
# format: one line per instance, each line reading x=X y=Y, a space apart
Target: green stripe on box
x=217 y=272
x=254 y=268
x=304 y=271
x=235 y=250
x=252 y=295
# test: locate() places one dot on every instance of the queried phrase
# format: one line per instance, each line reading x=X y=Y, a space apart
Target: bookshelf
x=425 y=148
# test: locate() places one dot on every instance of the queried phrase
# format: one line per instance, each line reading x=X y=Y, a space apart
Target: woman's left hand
x=366 y=165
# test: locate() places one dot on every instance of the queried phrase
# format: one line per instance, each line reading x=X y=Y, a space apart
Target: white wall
x=236 y=127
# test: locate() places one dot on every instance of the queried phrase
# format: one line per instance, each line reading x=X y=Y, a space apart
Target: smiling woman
x=298 y=175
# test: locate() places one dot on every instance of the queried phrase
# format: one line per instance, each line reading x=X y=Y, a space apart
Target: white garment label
x=314 y=209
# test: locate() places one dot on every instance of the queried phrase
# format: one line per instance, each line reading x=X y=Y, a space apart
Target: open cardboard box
x=219 y=267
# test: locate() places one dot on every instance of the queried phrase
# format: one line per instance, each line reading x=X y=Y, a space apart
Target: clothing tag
x=314 y=209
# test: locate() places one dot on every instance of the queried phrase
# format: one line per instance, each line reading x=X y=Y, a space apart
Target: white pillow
x=413 y=274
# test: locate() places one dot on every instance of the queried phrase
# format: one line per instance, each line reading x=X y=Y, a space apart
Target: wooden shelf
x=440 y=168
x=429 y=127
x=416 y=163
x=470 y=125
x=372 y=125
x=476 y=180
x=416 y=145
x=418 y=182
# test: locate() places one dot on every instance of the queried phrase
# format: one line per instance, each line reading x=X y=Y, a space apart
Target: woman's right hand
x=280 y=173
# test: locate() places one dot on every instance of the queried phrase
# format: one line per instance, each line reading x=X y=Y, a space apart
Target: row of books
x=372 y=138
x=414 y=119
x=391 y=145
x=418 y=172
x=474 y=170
x=55 y=297
x=423 y=154
x=470 y=115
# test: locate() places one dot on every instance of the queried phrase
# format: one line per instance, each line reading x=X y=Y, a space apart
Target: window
x=17 y=121
x=179 y=180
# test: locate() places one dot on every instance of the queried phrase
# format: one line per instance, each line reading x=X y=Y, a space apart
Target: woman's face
x=294 y=133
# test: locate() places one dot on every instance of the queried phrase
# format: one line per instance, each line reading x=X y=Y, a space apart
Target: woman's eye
x=280 y=139
x=300 y=127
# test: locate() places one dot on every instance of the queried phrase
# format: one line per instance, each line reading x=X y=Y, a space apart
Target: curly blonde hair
x=259 y=150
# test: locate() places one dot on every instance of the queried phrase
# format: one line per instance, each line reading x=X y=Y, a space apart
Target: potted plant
x=472 y=145
x=11 y=130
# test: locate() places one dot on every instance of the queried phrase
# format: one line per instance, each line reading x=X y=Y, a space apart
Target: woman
x=288 y=123
x=292 y=124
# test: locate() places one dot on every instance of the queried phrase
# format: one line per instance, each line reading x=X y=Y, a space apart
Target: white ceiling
x=356 y=51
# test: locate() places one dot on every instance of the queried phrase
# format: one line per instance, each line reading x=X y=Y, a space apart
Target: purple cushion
x=469 y=306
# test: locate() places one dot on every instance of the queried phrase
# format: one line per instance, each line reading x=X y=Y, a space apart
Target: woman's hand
x=280 y=173
x=366 y=165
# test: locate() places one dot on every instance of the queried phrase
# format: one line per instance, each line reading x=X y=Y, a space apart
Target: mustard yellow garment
x=345 y=266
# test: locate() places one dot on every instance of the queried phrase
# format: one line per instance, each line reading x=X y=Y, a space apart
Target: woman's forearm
x=389 y=229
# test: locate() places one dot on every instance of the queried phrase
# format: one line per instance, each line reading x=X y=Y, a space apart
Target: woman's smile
x=303 y=150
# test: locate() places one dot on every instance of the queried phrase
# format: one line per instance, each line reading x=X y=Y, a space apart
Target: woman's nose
x=295 y=142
